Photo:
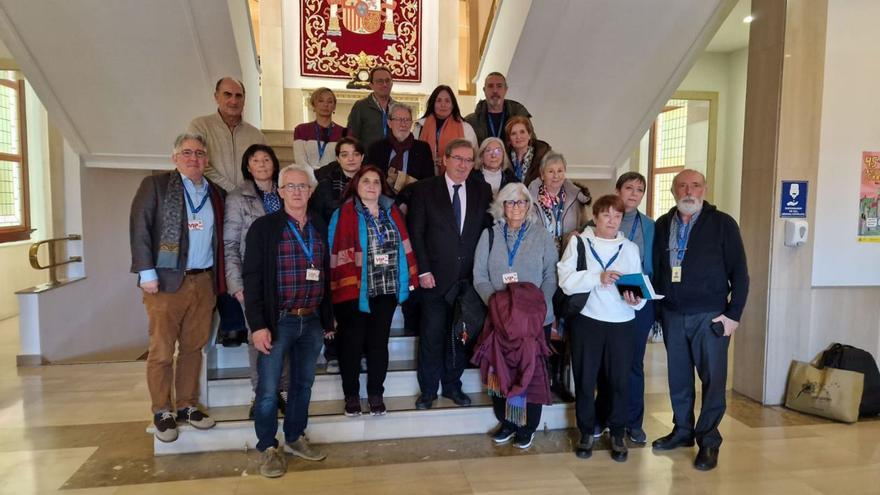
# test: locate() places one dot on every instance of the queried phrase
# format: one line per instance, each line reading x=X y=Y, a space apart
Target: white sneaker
x=332 y=366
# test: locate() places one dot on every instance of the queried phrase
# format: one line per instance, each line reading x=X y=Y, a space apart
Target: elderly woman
x=559 y=203
x=602 y=333
x=372 y=270
x=314 y=142
x=442 y=123
x=526 y=151
x=493 y=166
x=255 y=197
x=516 y=249
x=401 y=157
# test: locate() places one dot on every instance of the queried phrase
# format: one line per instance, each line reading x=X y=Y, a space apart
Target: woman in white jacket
x=602 y=334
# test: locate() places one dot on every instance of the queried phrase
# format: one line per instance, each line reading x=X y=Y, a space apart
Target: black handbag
x=565 y=306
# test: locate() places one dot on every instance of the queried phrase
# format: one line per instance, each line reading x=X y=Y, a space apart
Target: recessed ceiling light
x=748 y=19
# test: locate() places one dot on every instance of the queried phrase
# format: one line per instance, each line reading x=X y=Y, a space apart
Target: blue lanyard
x=437 y=139
x=379 y=233
x=601 y=263
x=684 y=232
x=511 y=253
x=517 y=166
x=189 y=200
x=322 y=146
x=636 y=223
x=492 y=124
x=306 y=249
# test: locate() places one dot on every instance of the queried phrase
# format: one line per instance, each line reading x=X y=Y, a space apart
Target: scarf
x=348 y=243
x=400 y=147
x=550 y=204
x=171 y=213
x=512 y=346
x=271 y=200
x=451 y=129
x=522 y=167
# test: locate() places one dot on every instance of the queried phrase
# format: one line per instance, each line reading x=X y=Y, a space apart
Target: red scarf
x=452 y=129
x=347 y=256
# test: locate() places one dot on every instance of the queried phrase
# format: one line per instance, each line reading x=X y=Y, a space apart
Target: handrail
x=34 y=252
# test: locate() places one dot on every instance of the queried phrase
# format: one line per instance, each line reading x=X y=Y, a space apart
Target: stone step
x=232 y=387
x=327 y=424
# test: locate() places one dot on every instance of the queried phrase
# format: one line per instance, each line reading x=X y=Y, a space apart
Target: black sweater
x=260 y=271
x=714 y=266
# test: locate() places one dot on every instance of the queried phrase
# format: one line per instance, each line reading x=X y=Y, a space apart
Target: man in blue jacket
x=700 y=266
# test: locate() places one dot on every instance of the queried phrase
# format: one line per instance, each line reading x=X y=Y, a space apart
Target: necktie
x=456 y=206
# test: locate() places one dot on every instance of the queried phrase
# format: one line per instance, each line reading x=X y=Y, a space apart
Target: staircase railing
x=33 y=255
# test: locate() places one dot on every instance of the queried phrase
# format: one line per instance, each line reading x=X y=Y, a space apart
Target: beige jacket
x=225 y=148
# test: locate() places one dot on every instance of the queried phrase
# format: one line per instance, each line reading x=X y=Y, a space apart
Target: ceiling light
x=748 y=19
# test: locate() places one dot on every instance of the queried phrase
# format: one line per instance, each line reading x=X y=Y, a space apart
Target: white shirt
x=462 y=196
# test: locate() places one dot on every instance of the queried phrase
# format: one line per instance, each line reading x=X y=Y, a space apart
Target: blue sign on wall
x=794 y=199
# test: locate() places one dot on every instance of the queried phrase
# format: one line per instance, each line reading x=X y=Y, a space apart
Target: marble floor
x=74 y=429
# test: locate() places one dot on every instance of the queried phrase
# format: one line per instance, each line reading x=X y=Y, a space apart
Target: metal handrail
x=33 y=254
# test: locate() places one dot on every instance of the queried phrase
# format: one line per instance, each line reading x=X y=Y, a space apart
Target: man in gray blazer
x=176 y=234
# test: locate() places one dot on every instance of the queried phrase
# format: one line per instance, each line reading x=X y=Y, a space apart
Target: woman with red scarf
x=372 y=269
x=442 y=124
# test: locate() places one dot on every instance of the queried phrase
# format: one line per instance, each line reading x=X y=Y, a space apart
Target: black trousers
x=364 y=333
x=691 y=344
x=533 y=416
x=599 y=345
x=441 y=360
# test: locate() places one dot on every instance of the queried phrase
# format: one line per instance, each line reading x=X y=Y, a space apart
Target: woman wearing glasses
x=493 y=166
x=401 y=157
x=442 y=124
x=512 y=357
x=314 y=143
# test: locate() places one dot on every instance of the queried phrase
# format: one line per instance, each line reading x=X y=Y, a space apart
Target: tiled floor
x=80 y=429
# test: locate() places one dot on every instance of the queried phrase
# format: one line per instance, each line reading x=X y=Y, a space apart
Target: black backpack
x=847 y=357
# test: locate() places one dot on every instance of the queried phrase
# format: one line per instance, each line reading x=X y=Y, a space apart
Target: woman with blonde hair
x=314 y=142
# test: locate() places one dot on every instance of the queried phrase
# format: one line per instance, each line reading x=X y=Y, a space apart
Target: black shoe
x=460 y=398
x=619 y=452
x=673 y=441
x=523 y=440
x=637 y=435
x=197 y=419
x=503 y=435
x=707 y=459
x=251 y=410
x=584 y=448
x=425 y=401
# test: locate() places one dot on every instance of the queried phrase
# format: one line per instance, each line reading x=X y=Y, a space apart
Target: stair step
x=328 y=425
x=232 y=387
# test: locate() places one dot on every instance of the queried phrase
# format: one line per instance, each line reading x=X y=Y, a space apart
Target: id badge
x=676 y=274
x=380 y=259
x=509 y=278
x=195 y=225
x=313 y=274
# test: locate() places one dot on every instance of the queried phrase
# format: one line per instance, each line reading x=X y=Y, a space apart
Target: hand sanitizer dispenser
x=796 y=231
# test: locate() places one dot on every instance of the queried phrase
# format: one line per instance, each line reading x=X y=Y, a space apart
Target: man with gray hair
x=491 y=114
x=700 y=266
x=176 y=234
x=227 y=134
x=287 y=304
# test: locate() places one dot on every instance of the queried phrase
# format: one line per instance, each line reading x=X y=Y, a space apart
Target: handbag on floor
x=827 y=392
x=847 y=357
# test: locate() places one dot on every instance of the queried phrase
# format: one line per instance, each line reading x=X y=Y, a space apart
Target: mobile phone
x=717 y=328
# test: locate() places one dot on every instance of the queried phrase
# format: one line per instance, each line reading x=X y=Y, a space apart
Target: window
x=14 y=208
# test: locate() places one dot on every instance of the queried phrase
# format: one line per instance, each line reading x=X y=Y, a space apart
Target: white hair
x=310 y=174
x=512 y=191
x=188 y=136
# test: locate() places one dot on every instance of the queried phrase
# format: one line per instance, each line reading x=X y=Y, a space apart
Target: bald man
x=700 y=266
x=227 y=134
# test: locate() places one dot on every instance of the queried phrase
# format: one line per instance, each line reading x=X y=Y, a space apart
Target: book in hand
x=638 y=284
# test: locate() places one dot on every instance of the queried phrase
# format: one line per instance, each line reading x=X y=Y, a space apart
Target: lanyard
x=636 y=223
x=511 y=253
x=384 y=117
x=379 y=232
x=684 y=232
x=306 y=249
x=517 y=166
x=189 y=200
x=322 y=146
x=492 y=124
x=601 y=263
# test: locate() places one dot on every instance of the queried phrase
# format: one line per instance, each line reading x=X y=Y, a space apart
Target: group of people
x=431 y=216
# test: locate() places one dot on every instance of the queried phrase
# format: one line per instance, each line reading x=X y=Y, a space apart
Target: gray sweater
x=535 y=262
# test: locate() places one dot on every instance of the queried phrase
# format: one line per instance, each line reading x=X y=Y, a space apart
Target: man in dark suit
x=446 y=217
x=176 y=234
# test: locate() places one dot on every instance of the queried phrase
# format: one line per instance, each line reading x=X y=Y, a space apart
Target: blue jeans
x=300 y=337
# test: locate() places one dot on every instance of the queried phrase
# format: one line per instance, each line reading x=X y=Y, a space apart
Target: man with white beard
x=700 y=266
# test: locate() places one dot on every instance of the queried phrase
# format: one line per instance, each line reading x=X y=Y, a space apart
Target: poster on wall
x=338 y=37
x=869 y=196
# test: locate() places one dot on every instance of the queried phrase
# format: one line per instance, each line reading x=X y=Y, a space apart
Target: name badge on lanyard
x=676 y=274
x=380 y=259
x=195 y=224
x=312 y=273
x=511 y=277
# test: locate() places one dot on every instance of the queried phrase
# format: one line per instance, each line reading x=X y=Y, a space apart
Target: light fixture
x=748 y=19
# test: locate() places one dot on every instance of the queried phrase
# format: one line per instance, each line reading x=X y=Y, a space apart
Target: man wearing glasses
x=447 y=214
x=176 y=239
x=369 y=116
x=403 y=158
x=286 y=264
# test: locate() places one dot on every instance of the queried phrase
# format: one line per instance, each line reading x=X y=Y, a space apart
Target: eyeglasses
x=193 y=153
x=516 y=203
x=494 y=152
x=382 y=81
x=290 y=187
x=402 y=120
x=461 y=159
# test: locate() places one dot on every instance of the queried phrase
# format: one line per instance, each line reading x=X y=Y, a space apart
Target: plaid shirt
x=381 y=279
x=294 y=291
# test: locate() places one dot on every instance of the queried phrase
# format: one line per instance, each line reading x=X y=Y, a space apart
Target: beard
x=689 y=205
